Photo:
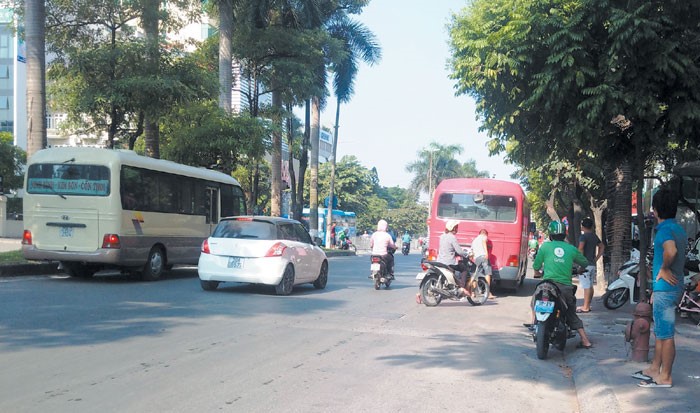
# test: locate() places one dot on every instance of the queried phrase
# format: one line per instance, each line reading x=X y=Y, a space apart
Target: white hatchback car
x=261 y=250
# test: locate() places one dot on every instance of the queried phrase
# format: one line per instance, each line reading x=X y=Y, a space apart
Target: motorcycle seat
x=439 y=265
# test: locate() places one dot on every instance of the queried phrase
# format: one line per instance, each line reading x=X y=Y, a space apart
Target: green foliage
x=437 y=162
x=202 y=134
x=12 y=161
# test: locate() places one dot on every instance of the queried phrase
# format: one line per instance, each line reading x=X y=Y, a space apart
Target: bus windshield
x=68 y=179
x=498 y=208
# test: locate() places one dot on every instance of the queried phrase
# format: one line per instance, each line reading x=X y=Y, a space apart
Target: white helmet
x=451 y=224
x=382 y=225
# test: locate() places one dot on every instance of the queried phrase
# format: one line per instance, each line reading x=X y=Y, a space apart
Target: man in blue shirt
x=670 y=242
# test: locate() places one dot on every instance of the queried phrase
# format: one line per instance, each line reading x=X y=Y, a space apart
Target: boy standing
x=592 y=248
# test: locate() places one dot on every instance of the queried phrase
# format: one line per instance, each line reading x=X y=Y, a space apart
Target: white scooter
x=626 y=287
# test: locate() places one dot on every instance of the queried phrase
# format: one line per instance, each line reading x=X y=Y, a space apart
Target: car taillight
x=276 y=250
x=111 y=241
x=512 y=261
x=205 y=247
x=27 y=237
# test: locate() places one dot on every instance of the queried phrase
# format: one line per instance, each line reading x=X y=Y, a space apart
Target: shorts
x=664 y=308
x=484 y=263
x=585 y=280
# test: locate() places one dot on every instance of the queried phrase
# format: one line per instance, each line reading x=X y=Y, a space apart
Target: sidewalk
x=602 y=374
x=10 y=244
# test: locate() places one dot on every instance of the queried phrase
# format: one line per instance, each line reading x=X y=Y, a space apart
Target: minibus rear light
x=27 y=237
x=512 y=261
x=111 y=241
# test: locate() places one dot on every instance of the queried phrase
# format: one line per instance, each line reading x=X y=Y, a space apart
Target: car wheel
x=322 y=279
x=208 y=285
x=154 y=266
x=286 y=283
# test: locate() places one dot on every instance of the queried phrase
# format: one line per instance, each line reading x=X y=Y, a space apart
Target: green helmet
x=556 y=227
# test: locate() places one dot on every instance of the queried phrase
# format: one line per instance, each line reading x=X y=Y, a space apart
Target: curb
x=41 y=268
x=44 y=268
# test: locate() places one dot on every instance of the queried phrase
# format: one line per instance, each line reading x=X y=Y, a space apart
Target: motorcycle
x=406 y=247
x=347 y=244
x=379 y=272
x=550 y=325
x=532 y=253
x=689 y=305
x=626 y=287
x=438 y=282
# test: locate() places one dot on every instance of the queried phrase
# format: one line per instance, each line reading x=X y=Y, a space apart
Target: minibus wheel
x=155 y=265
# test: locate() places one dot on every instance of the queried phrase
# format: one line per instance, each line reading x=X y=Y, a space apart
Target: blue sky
x=407 y=100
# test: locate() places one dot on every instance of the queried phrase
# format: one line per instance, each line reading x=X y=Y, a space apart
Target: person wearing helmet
x=380 y=243
x=558 y=258
x=448 y=251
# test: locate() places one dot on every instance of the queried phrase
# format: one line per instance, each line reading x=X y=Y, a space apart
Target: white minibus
x=94 y=208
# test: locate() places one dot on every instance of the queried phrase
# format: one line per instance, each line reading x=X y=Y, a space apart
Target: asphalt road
x=112 y=344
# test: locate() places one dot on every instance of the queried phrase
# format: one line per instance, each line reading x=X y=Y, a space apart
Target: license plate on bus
x=65 y=232
x=235 y=262
x=374 y=266
x=544 y=306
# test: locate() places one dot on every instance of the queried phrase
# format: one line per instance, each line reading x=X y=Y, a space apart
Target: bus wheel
x=78 y=270
x=154 y=266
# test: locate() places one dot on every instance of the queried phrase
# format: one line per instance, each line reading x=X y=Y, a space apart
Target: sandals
x=581 y=345
x=581 y=310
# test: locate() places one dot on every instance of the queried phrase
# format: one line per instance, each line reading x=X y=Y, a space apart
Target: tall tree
x=150 y=21
x=35 y=20
x=437 y=162
x=358 y=42
x=575 y=77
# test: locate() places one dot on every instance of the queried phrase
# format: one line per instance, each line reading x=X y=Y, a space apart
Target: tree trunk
x=150 y=28
x=35 y=17
x=597 y=209
x=292 y=175
x=276 y=166
x=225 y=51
x=304 y=160
x=619 y=189
x=313 y=180
x=332 y=183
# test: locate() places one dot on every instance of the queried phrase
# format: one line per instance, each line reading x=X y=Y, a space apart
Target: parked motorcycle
x=438 y=282
x=379 y=273
x=689 y=305
x=626 y=287
x=550 y=325
x=405 y=248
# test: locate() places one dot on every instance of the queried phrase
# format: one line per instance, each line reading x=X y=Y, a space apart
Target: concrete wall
x=9 y=228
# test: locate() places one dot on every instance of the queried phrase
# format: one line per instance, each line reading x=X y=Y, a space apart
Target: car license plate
x=65 y=232
x=235 y=262
x=374 y=266
x=544 y=306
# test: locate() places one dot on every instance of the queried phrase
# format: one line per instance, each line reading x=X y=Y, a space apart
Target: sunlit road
x=114 y=344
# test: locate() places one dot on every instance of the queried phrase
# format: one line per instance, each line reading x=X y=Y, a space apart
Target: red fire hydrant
x=638 y=331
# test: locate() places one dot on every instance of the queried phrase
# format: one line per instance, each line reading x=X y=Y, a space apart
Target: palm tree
x=35 y=16
x=434 y=164
x=358 y=42
x=150 y=28
x=225 y=51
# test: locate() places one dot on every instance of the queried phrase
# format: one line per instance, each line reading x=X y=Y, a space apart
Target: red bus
x=499 y=207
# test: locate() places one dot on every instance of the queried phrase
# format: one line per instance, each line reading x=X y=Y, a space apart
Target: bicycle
x=690 y=303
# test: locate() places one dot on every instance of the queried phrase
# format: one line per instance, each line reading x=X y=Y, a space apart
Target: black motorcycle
x=550 y=318
x=405 y=248
x=379 y=271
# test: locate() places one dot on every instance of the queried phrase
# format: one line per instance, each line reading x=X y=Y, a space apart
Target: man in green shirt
x=558 y=258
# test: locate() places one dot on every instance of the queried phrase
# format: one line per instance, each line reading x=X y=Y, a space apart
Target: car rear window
x=245 y=229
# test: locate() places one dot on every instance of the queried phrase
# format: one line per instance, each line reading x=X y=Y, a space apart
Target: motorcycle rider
x=448 y=251
x=558 y=257
x=406 y=239
x=380 y=242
